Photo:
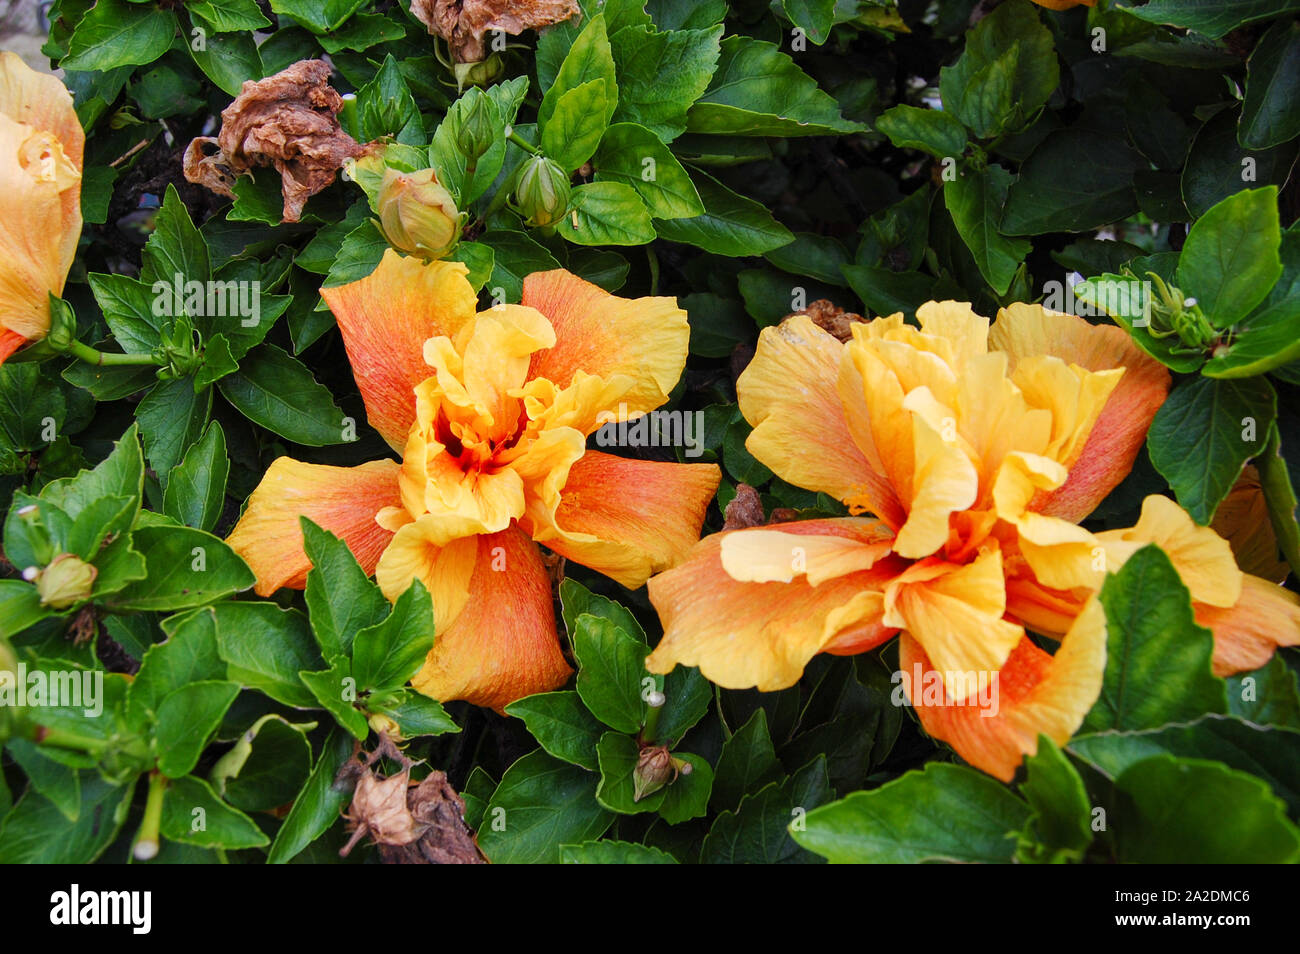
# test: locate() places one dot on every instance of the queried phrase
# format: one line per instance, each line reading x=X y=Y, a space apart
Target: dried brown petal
x=745 y=509
x=446 y=840
x=463 y=23
x=830 y=317
x=289 y=121
x=379 y=809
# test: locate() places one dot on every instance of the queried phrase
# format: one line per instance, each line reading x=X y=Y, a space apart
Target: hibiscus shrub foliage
x=566 y=431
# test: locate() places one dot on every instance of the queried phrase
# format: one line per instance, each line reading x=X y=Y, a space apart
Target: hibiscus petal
x=1035 y=693
x=763 y=555
x=342 y=500
x=743 y=635
x=1024 y=331
x=385 y=319
x=1246 y=634
x=789 y=393
x=955 y=613
x=625 y=518
x=643 y=339
x=503 y=644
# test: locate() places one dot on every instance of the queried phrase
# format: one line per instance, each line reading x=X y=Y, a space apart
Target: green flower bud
x=542 y=191
x=478 y=131
x=66 y=581
x=417 y=215
x=63 y=325
x=483 y=73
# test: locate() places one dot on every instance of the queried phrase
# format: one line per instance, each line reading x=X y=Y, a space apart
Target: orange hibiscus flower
x=491 y=414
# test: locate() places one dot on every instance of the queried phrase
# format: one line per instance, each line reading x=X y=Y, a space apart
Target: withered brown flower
x=464 y=23
x=288 y=121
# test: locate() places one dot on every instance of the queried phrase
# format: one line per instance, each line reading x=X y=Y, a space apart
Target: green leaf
x=36 y=832
x=175 y=247
x=266 y=647
x=718 y=323
x=561 y=725
x=1005 y=74
x=945 y=813
x=59 y=783
x=318 y=805
x=1172 y=811
x=613 y=853
x=128 y=312
x=1076 y=180
x=388 y=654
x=634 y=155
x=189 y=655
x=196 y=488
x=188 y=717
x=688 y=796
x=279 y=393
x=759 y=91
x=358 y=256
x=1230 y=260
x=686 y=14
x=617 y=755
x=194 y=815
x=1268 y=116
x=417 y=715
x=1060 y=829
x=730 y=224
x=336 y=691
x=541 y=804
x=185 y=568
x=1212 y=18
x=757 y=831
x=387 y=108
x=341 y=598
x=747 y=763
x=1157 y=658
x=171 y=418
x=815 y=256
x=1280 y=497
x=576 y=600
x=267 y=766
x=975 y=201
x=1271 y=754
x=1203 y=435
x=611 y=673
x=688 y=696
x=661 y=74
x=479 y=258
x=20 y=607
x=607 y=213
x=590 y=58
x=116 y=33
x=931 y=130
x=574 y=130
x=814 y=17
x=1217 y=165
x=514 y=256
x=223 y=16
x=228 y=59
x=1267 y=696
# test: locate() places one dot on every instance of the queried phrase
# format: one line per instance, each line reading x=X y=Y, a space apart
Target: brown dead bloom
x=463 y=23
x=288 y=121
x=830 y=317
x=411 y=823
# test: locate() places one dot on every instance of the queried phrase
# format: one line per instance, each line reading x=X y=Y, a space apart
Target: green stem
x=651 y=725
x=63 y=739
x=104 y=358
x=147 y=839
x=653 y=259
x=522 y=143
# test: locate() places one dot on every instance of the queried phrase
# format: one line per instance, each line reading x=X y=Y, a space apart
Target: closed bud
x=385 y=725
x=418 y=216
x=482 y=73
x=478 y=131
x=66 y=581
x=654 y=769
x=542 y=191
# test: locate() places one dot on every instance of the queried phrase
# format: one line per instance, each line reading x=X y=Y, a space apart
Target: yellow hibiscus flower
x=41 y=146
x=490 y=413
x=976 y=450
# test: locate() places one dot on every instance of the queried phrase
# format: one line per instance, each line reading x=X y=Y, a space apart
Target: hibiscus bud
x=417 y=214
x=385 y=725
x=654 y=769
x=67 y=580
x=477 y=132
x=542 y=191
x=483 y=73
